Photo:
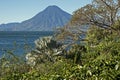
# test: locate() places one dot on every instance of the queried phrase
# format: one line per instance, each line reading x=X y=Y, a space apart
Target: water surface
x=20 y=42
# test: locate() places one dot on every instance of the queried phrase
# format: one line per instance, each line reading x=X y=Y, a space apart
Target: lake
x=20 y=42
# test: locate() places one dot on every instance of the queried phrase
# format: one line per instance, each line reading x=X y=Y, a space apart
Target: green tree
x=101 y=13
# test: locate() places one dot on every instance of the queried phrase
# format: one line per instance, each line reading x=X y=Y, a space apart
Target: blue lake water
x=19 y=42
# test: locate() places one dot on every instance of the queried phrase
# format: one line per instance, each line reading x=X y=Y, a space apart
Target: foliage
x=101 y=13
x=46 y=49
x=97 y=59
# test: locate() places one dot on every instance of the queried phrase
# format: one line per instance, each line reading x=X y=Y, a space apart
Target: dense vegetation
x=97 y=58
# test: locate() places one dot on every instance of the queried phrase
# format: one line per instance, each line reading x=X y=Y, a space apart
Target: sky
x=20 y=10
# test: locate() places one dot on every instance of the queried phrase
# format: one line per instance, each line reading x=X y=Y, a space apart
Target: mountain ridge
x=46 y=20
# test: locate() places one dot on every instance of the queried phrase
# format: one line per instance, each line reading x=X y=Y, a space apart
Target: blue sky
x=20 y=10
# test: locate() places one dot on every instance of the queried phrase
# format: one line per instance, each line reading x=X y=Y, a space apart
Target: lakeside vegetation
x=94 y=57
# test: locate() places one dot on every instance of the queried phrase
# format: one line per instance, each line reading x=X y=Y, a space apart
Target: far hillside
x=47 y=20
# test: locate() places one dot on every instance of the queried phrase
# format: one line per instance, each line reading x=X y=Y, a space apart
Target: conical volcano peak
x=53 y=7
x=47 y=20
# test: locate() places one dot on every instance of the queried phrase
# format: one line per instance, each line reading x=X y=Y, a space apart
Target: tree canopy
x=101 y=13
x=97 y=59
